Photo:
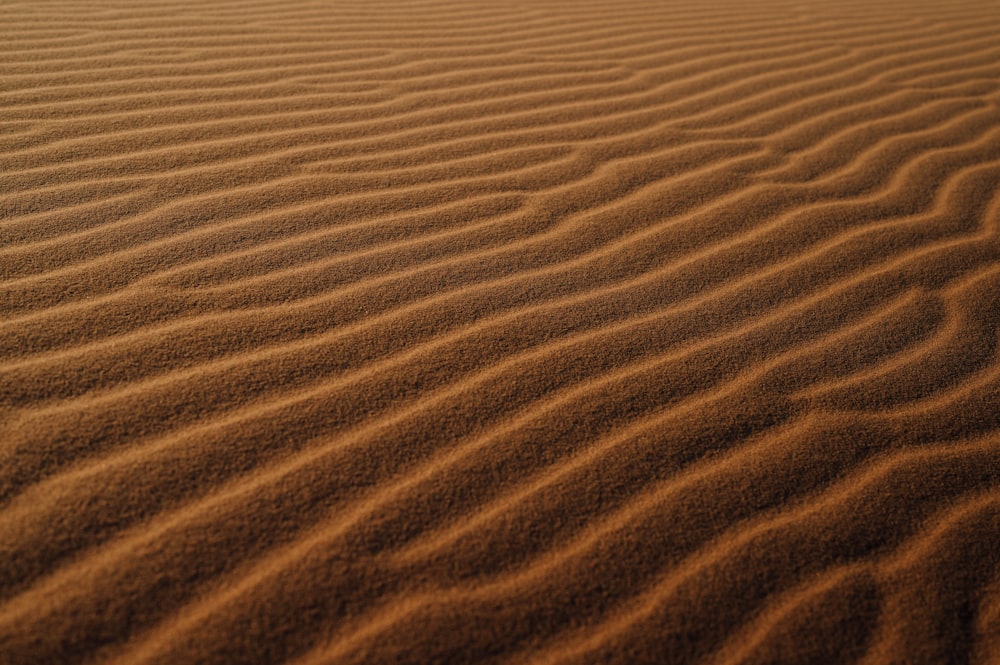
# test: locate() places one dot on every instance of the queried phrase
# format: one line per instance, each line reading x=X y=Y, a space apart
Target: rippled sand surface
x=521 y=332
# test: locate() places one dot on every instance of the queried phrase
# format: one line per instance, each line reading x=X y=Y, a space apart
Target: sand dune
x=459 y=332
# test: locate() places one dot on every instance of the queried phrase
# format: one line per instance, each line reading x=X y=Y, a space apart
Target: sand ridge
x=550 y=332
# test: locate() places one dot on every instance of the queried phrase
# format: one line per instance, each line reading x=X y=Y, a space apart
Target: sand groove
x=370 y=332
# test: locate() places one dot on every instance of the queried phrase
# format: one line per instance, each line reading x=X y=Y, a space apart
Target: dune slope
x=527 y=332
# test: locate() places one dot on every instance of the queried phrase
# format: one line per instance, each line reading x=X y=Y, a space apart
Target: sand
x=527 y=332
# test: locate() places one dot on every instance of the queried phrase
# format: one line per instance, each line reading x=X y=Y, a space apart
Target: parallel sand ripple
x=370 y=332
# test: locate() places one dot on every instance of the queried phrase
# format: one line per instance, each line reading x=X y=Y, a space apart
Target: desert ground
x=440 y=331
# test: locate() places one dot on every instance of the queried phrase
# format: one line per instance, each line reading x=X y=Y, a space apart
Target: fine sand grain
x=364 y=331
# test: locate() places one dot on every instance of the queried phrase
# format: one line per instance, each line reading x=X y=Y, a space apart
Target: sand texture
x=562 y=331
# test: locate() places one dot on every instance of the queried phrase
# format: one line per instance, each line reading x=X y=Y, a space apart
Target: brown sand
x=454 y=332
